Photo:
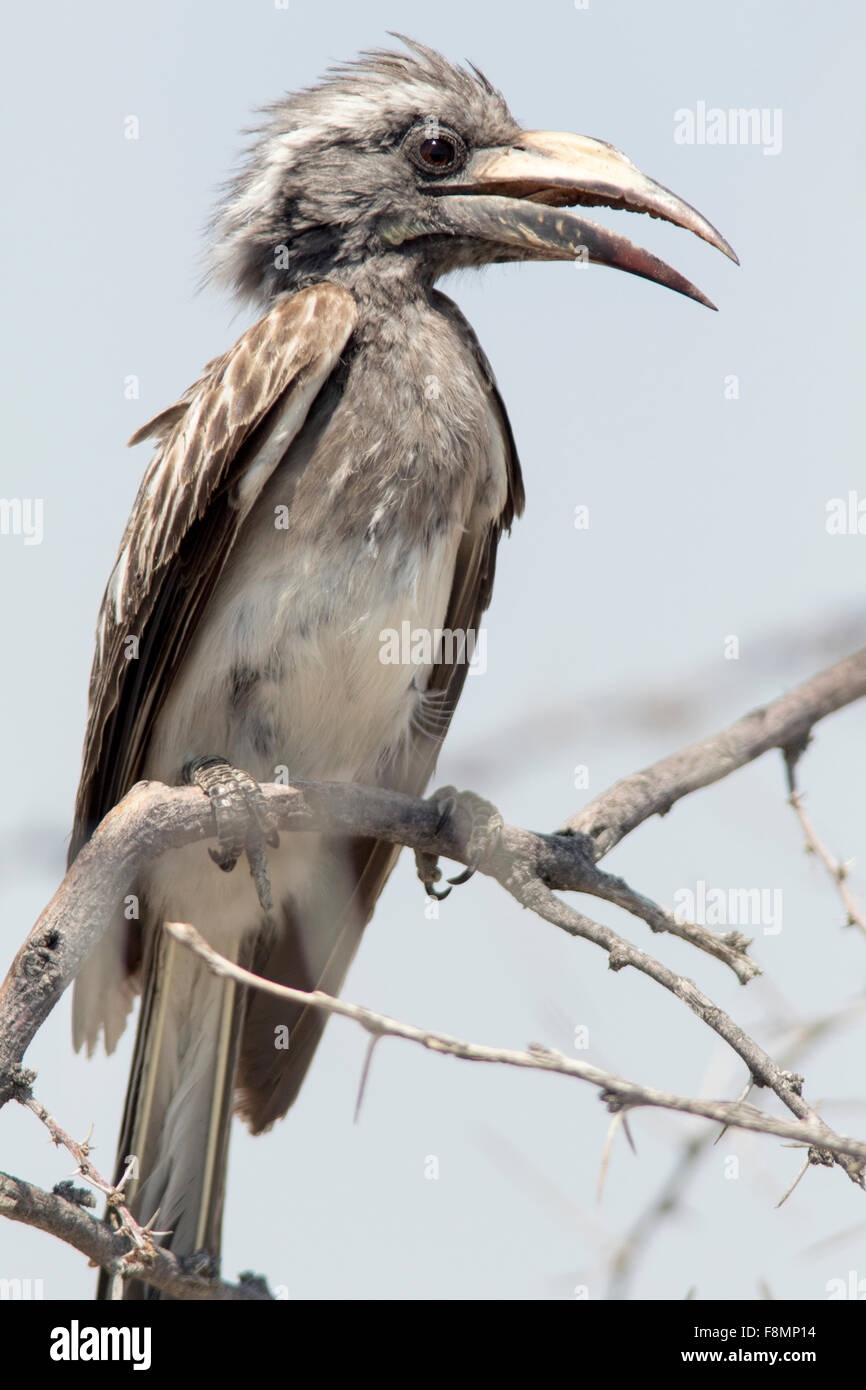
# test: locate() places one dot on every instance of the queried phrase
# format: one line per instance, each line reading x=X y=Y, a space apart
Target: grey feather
x=346 y=467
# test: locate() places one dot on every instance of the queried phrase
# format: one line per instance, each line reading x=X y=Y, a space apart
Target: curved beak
x=514 y=197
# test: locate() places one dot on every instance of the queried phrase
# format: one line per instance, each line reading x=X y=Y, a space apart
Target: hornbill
x=309 y=493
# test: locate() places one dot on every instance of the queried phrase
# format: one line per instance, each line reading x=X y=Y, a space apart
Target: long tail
x=178 y=1109
x=203 y=1047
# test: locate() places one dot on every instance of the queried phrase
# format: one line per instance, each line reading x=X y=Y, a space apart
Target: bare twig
x=152 y=819
x=804 y=1168
x=22 y=1201
x=616 y=1092
x=617 y=1121
x=782 y=723
x=836 y=868
x=731 y=947
x=671 y=1194
x=140 y=1237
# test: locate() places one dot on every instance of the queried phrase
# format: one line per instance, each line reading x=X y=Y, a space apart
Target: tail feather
x=205 y=1045
x=313 y=949
x=179 y=1105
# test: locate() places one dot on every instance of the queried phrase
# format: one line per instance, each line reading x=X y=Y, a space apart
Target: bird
x=346 y=467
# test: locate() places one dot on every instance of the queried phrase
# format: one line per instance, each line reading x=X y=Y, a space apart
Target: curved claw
x=244 y=824
x=223 y=859
x=259 y=870
x=465 y=876
x=485 y=829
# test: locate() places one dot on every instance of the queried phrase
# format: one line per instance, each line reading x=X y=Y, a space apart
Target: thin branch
x=616 y=1092
x=140 y=1237
x=617 y=1121
x=153 y=818
x=763 y=1070
x=804 y=1168
x=836 y=868
x=730 y=947
x=47 y=1211
x=670 y=1195
x=782 y=723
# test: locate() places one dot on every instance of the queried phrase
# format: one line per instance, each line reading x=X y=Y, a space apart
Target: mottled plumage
x=346 y=467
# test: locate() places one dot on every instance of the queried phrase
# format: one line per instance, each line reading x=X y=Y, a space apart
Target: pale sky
x=707 y=448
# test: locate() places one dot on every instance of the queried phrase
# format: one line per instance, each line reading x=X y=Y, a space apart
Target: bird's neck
x=385 y=284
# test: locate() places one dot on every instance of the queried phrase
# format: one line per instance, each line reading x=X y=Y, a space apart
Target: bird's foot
x=244 y=822
x=485 y=828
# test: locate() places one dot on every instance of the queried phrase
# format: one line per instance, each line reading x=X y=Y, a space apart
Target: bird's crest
x=310 y=180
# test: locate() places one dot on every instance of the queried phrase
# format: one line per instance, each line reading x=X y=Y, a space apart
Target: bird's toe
x=482 y=827
x=244 y=824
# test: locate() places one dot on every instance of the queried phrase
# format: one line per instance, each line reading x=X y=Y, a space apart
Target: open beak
x=515 y=196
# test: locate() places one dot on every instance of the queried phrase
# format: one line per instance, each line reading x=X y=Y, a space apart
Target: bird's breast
x=353 y=539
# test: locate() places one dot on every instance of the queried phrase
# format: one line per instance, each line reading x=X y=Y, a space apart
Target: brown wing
x=269 y=1080
x=219 y=444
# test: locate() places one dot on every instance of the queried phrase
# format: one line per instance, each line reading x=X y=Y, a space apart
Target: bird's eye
x=437 y=152
x=435 y=149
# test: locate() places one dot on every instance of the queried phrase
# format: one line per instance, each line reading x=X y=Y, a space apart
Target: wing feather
x=195 y=494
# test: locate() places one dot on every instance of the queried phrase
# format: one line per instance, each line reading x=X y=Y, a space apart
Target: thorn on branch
x=376 y=1036
x=836 y=868
x=628 y=1134
x=804 y=1169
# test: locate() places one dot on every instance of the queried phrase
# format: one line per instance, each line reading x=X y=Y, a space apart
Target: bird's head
x=403 y=164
